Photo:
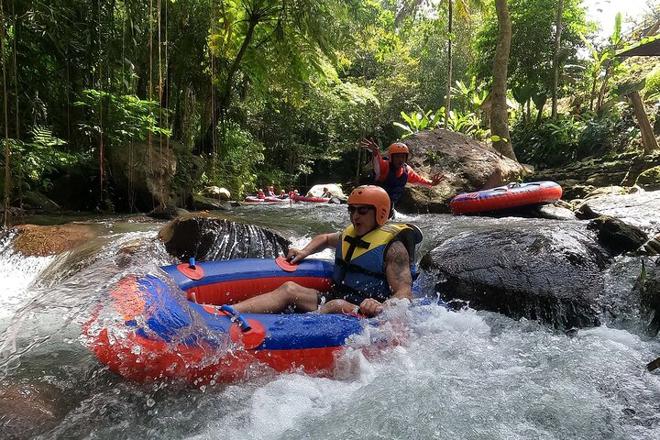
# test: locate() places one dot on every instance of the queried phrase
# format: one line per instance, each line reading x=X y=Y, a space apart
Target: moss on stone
x=650 y=179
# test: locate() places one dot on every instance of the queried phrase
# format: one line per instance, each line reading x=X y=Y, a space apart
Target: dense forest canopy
x=251 y=92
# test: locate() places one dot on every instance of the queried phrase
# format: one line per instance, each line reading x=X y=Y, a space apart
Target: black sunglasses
x=362 y=210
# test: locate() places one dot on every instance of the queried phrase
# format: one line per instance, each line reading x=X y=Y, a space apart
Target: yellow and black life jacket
x=359 y=261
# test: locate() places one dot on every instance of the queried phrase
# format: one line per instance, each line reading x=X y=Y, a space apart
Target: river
x=455 y=375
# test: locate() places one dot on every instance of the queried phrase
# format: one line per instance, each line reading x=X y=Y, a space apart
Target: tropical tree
x=555 y=57
x=499 y=116
x=533 y=42
x=464 y=8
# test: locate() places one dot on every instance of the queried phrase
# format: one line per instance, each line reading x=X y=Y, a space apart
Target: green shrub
x=238 y=162
x=548 y=144
x=35 y=160
x=652 y=87
x=597 y=137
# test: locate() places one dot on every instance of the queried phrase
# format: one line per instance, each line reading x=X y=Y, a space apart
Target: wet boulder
x=204 y=203
x=27 y=410
x=166 y=212
x=320 y=190
x=467 y=164
x=618 y=236
x=207 y=237
x=639 y=208
x=552 y=273
x=648 y=286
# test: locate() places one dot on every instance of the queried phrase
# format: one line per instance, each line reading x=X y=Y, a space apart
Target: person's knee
x=290 y=290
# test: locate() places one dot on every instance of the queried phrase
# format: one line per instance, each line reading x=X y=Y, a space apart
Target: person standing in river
x=393 y=173
x=372 y=263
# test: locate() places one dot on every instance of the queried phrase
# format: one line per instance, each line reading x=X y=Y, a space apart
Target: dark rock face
x=36 y=202
x=546 y=274
x=142 y=175
x=467 y=165
x=210 y=238
x=617 y=236
x=649 y=287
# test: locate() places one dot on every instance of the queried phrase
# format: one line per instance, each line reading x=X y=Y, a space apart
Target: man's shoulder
x=396 y=249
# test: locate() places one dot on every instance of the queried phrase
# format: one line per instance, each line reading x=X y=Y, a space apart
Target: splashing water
x=18 y=273
x=451 y=374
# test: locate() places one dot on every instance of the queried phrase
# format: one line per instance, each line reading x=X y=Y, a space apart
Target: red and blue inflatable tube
x=505 y=197
x=173 y=326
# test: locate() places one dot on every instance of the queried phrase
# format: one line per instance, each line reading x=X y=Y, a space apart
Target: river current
x=454 y=375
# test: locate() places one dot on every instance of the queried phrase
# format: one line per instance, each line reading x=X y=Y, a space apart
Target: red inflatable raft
x=310 y=199
x=253 y=200
x=512 y=195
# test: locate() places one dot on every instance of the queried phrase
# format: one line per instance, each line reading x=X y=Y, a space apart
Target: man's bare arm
x=397 y=271
x=317 y=244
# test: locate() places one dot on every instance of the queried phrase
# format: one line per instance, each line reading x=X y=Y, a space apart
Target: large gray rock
x=203 y=203
x=143 y=175
x=211 y=238
x=640 y=209
x=551 y=273
x=466 y=163
x=618 y=236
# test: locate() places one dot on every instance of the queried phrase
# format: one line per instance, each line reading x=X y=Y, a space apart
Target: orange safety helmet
x=398 y=148
x=375 y=196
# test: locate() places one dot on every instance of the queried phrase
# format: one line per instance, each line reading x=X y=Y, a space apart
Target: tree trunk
x=539 y=115
x=499 y=117
x=450 y=13
x=6 y=119
x=648 y=138
x=603 y=88
x=592 y=95
x=555 y=58
x=529 y=110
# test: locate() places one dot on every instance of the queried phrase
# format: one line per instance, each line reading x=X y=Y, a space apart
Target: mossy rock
x=649 y=179
x=35 y=240
x=36 y=201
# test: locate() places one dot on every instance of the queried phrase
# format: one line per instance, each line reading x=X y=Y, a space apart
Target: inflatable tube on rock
x=513 y=195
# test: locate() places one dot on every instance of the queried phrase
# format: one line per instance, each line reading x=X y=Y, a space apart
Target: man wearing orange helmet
x=393 y=173
x=372 y=263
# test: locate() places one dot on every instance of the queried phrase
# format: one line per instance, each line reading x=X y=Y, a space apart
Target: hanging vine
x=3 y=36
x=101 y=146
x=150 y=89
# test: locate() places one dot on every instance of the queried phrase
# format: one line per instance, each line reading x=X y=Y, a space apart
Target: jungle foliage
x=279 y=91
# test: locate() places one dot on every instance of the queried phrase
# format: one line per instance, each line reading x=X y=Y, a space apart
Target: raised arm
x=317 y=244
x=415 y=178
x=381 y=166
